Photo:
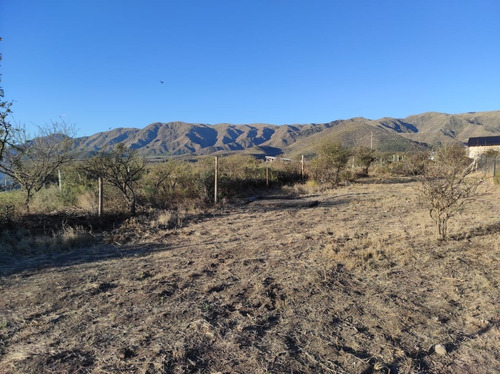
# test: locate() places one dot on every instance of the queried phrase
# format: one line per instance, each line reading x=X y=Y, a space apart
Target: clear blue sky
x=99 y=63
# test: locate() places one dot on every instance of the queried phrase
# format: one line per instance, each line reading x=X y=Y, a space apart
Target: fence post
x=216 y=178
x=267 y=176
x=302 y=168
x=494 y=166
x=60 y=179
x=100 y=202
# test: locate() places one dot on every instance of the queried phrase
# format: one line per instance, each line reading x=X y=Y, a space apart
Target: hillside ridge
x=386 y=134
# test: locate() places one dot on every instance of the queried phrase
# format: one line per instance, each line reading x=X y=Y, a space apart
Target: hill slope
x=386 y=134
x=433 y=128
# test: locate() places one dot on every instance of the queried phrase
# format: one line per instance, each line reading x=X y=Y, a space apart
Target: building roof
x=483 y=140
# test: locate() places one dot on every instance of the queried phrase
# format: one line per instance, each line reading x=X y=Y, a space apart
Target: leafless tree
x=31 y=161
x=122 y=168
x=446 y=185
x=5 y=127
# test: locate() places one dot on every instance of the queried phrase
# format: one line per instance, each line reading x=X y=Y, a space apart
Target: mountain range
x=386 y=134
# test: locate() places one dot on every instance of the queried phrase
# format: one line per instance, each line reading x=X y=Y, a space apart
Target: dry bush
x=446 y=185
x=47 y=200
x=364 y=157
x=120 y=167
x=285 y=173
x=21 y=242
x=113 y=200
x=242 y=168
x=175 y=184
x=332 y=160
x=390 y=164
x=87 y=202
x=11 y=206
x=308 y=188
x=169 y=219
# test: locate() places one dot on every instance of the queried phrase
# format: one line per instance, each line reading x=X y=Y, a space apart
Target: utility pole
x=371 y=140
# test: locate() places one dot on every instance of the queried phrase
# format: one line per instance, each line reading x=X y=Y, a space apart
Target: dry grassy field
x=344 y=281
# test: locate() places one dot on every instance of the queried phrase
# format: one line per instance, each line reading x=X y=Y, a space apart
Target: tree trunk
x=132 y=202
x=441 y=228
x=132 y=206
x=27 y=202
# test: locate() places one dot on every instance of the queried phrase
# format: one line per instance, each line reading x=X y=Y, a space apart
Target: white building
x=480 y=145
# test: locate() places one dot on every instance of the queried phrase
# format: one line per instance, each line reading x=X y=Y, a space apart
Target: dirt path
x=349 y=281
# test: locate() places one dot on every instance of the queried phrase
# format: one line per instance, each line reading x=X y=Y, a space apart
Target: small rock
x=440 y=349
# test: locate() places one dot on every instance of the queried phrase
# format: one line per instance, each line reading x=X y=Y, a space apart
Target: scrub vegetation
x=324 y=266
x=349 y=280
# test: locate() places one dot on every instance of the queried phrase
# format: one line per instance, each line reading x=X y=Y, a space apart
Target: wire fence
x=489 y=164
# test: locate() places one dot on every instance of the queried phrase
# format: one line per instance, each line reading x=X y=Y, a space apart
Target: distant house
x=273 y=159
x=480 y=145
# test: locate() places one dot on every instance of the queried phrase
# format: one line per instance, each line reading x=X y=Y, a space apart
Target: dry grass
x=346 y=281
x=20 y=242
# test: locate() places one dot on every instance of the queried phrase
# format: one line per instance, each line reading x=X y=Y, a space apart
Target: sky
x=100 y=64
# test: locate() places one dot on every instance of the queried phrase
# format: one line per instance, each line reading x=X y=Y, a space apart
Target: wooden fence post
x=216 y=178
x=60 y=179
x=267 y=176
x=302 y=168
x=100 y=202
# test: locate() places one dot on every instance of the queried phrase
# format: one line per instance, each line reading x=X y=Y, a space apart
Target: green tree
x=120 y=167
x=364 y=157
x=331 y=161
x=165 y=183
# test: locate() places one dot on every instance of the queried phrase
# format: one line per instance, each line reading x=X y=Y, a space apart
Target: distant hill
x=386 y=134
x=180 y=138
x=434 y=128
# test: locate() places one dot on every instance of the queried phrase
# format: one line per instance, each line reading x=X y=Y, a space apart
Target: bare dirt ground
x=348 y=281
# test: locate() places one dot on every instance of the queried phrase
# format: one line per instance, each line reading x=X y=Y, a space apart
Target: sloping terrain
x=354 y=133
x=178 y=138
x=386 y=134
x=349 y=281
x=434 y=128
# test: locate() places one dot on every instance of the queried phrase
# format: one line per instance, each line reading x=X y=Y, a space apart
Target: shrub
x=364 y=157
x=332 y=160
x=446 y=186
